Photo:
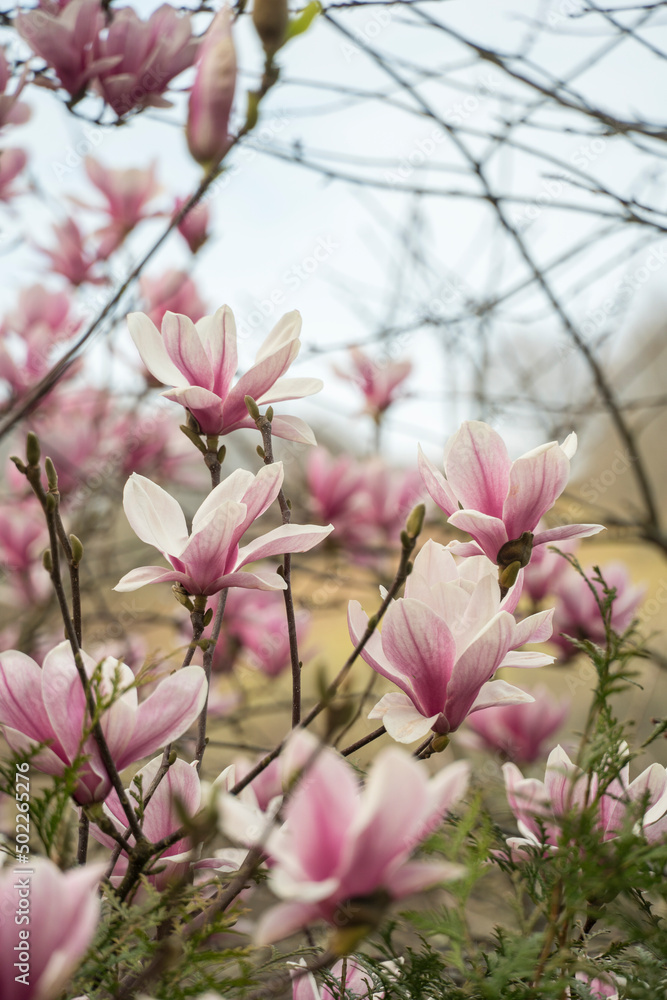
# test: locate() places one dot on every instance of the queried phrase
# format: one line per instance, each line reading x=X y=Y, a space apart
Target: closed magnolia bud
x=270 y=20
x=32 y=449
x=212 y=93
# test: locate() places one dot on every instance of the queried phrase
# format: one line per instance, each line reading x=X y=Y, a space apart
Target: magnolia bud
x=415 y=521
x=192 y=435
x=270 y=20
x=252 y=407
x=439 y=743
x=77 y=550
x=182 y=597
x=212 y=93
x=516 y=550
x=32 y=449
x=51 y=474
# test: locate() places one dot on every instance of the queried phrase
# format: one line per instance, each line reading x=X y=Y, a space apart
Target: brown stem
x=208 y=663
x=82 y=846
x=264 y=427
x=364 y=741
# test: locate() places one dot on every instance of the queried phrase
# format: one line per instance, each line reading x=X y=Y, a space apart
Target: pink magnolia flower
x=442 y=643
x=41 y=320
x=367 y=502
x=67 y=41
x=602 y=988
x=378 y=380
x=12 y=111
x=358 y=983
x=194 y=227
x=47 y=705
x=209 y=560
x=336 y=487
x=143 y=57
x=212 y=93
x=12 y=162
x=577 y=613
x=518 y=731
x=70 y=256
x=268 y=787
x=126 y=193
x=173 y=292
x=540 y=806
x=495 y=500
x=42 y=315
x=340 y=843
x=22 y=541
x=38 y=957
x=177 y=795
x=200 y=361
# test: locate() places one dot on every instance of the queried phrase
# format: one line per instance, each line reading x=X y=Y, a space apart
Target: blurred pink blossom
x=539 y=806
x=601 y=988
x=212 y=93
x=358 y=983
x=173 y=292
x=22 y=535
x=126 y=193
x=67 y=41
x=519 y=732
x=208 y=559
x=442 y=643
x=143 y=57
x=64 y=909
x=577 y=612
x=340 y=843
x=336 y=487
x=367 y=502
x=48 y=705
x=256 y=622
x=494 y=499
x=178 y=795
x=12 y=111
x=379 y=381
x=200 y=361
x=71 y=257
x=41 y=320
x=194 y=227
x=271 y=783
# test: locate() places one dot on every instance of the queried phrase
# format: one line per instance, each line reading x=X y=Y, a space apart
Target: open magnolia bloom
x=208 y=559
x=178 y=795
x=540 y=805
x=48 y=705
x=442 y=643
x=200 y=361
x=38 y=956
x=343 y=852
x=496 y=500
